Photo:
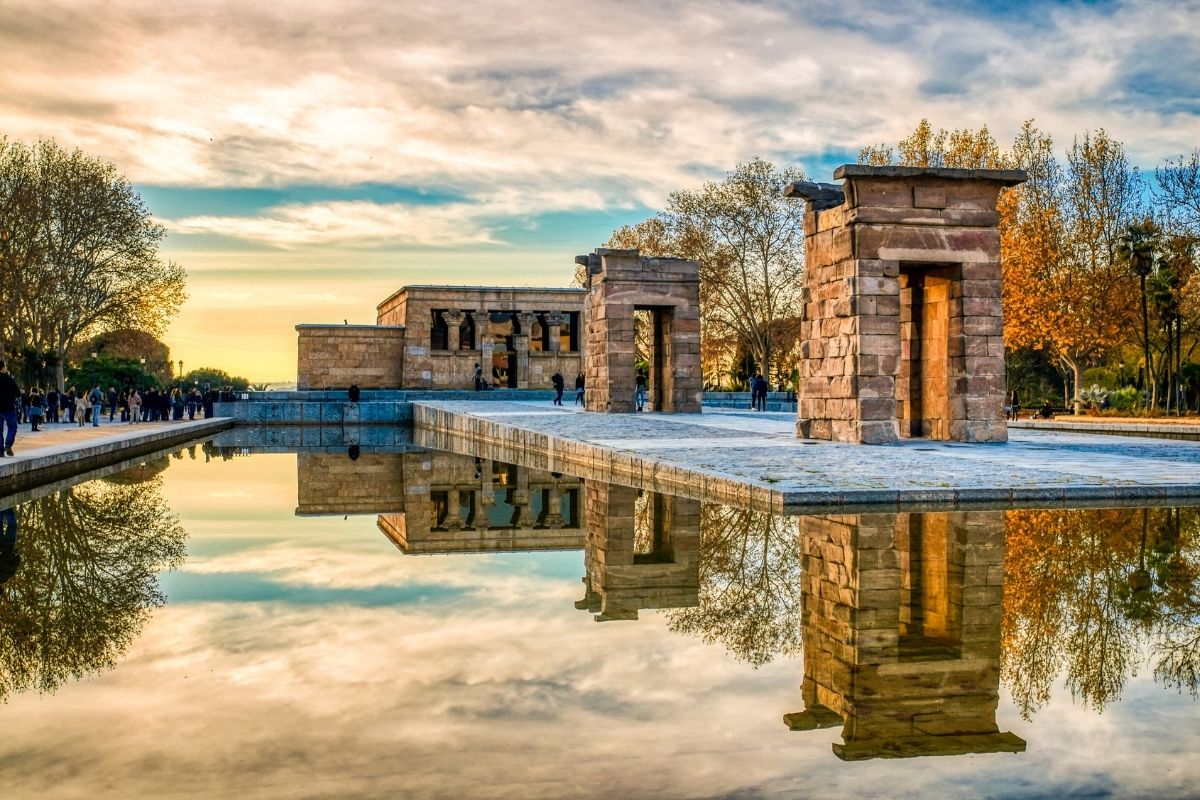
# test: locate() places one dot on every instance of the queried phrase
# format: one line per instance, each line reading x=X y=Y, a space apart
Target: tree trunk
x=1150 y=384
x=1077 y=376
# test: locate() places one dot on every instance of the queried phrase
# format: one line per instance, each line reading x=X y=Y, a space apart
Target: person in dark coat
x=579 y=389
x=10 y=396
x=559 y=385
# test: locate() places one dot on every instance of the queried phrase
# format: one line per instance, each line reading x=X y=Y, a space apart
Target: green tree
x=749 y=242
x=215 y=378
x=79 y=252
x=86 y=581
x=750 y=584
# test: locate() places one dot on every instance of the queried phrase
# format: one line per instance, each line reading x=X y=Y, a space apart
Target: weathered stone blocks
x=902 y=292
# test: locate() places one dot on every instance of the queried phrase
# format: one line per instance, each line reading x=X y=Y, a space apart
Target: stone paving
x=760 y=450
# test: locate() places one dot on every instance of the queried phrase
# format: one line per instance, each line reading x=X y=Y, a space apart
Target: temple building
x=432 y=337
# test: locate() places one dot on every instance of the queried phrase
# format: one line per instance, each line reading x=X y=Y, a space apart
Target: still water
x=419 y=624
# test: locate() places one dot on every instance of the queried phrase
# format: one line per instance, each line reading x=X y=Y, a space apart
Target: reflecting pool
x=388 y=621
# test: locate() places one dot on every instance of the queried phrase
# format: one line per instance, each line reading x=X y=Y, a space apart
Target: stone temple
x=901 y=334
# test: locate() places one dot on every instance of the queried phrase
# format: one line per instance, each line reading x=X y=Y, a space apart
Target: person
x=478 y=378
x=68 y=406
x=758 y=393
x=135 y=406
x=37 y=407
x=639 y=391
x=96 y=398
x=559 y=385
x=193 y=402
x=579 y=389
x=52 y=405
x=10 y=396
x=1047 y=411
x=112 y=402
x=176 y=404
x=81 y=408
x=354 y=393
x=1014 y=405
x=10 y=557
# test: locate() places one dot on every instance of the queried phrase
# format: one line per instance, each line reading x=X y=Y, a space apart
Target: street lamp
x=142 y=379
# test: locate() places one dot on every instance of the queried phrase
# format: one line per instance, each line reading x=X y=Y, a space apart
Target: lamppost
x=181 y=373
x=142 y=378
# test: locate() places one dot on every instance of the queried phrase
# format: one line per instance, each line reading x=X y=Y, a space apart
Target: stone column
x=554 y=322
x=480 y=320
x=453 y=320
x=554 y=517
x=454 y=520
x=480 y=512
x=521 y=346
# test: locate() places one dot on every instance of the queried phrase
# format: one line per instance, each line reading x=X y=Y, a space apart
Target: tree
x=86 y=580
x=1064 y=287
x=215 y=378
x=80 y=251
x=924 y=147
x=1136 y=249
x=749 y=242
x=750 y=584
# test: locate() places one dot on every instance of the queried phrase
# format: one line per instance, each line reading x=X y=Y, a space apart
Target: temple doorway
x=922 y=380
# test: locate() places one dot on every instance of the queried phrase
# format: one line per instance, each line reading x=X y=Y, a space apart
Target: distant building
x=431 y=337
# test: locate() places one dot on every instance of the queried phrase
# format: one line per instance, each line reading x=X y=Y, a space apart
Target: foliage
x=117 y=373
x=78 y=252
x=86 y=582
x=749 y=585
x=749 y=242
x=215 y=378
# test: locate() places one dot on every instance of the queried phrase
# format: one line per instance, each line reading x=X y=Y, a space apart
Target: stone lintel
x=1006 y=177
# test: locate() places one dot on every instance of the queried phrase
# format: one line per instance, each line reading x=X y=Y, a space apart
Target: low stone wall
x=776 y=401
x=331 y=407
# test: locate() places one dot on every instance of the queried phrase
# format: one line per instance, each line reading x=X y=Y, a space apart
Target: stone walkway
x=62 y=449
x=759 y=450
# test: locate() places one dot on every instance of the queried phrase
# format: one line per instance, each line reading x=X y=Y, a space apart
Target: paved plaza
x=762 y=451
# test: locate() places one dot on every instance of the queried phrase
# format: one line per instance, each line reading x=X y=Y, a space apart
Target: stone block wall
x=336 y=356
x=467 y=309
x=901 y=616
x=333 y=483
x=620 y=283
x=620 y=581
x=902 y=309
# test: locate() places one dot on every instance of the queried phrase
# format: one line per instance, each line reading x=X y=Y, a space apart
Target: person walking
x=68 y=406
x=758 y=395
x=478 y=378
x=579 y=389
x=639 y=391
x=96 y=398
x=559 y=385
x=10 y=396
x=81 y=409
x=112 y=402
x=1014 y=402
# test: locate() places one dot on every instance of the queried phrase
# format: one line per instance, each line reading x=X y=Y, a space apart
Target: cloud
x=614 y=95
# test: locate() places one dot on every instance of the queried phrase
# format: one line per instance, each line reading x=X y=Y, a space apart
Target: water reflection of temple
x=643 y=551
x=902 y=633
x=430 y=502
x=641 y=548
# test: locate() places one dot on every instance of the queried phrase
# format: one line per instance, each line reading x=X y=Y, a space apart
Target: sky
x=309 y=158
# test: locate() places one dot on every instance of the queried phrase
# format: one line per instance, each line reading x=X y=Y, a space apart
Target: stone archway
x=622 y=283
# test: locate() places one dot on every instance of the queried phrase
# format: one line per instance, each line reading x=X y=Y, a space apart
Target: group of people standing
x=73 y=407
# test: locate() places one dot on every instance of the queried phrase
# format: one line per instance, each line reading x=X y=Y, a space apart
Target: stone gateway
x=902 y=334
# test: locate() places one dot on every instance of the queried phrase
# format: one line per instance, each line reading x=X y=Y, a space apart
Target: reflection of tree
x=749 y=584
x=90 y=558
x=1087 y=590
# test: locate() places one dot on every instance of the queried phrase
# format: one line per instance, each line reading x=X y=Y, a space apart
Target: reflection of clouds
x=286 y=702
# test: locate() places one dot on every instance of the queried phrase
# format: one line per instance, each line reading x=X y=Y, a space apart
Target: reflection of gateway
x=642 y=552
x=902 y=633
